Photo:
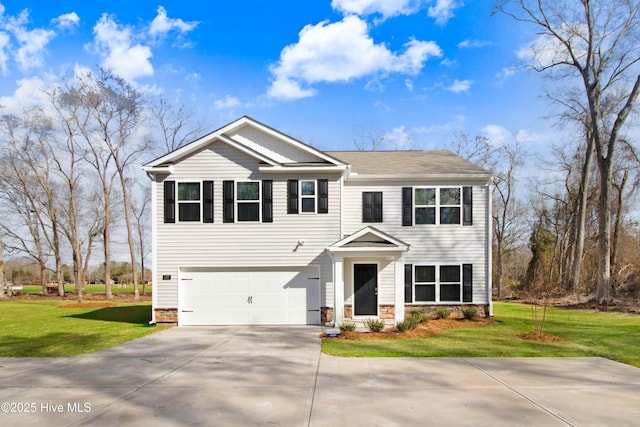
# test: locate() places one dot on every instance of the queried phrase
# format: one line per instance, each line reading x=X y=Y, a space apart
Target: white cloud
x=472 y=43
x=29 y=93
x=442 y=11
x=115 y=44
x=459 y=86
x=31 y=43
x=4 y=57
x=546 y=50
x=498 y=135
x=409 y=84
x=386 y=8
x=67 y=20
x=398 y=138
x=340 y=52
x=228 y=102
x=162 y=24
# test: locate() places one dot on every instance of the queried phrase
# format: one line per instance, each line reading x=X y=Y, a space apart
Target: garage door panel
x=251 y=296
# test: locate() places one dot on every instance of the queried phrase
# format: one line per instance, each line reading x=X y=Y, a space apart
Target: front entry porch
x=368 y=280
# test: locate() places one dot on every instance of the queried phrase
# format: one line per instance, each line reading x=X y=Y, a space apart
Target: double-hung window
x=425 y=284
x=248 y=200
x=450 y=205
x=188 y=201
x=425 y=206
x=450 y=281
x=308 y=196
x=437 y=205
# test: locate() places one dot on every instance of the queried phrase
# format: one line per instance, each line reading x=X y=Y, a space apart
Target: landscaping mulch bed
x=86 y=298
x=432 y=327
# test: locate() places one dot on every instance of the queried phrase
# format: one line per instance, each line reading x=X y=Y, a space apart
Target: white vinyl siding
x=429 y=245
x=239 y=244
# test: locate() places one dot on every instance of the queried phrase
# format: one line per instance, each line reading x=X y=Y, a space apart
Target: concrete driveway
x=227 y=376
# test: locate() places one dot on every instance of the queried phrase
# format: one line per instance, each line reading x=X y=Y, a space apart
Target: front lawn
x=62 y=328
x=610 y=335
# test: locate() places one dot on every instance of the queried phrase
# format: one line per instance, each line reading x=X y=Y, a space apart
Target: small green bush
x=419 y=316
x=407 y=324
x=442 y=313
x=374 y=325
x=469 y=313
x=348 y=327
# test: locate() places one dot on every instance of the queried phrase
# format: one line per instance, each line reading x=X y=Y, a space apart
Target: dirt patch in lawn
x=540 y=337
x=432 y=327
x=88 y=304
x=86 y=298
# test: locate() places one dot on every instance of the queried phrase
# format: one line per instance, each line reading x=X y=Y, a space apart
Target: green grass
x=44 y=329
x=610 y=335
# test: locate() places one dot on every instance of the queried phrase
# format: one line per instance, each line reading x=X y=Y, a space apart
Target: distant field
x=90 y=289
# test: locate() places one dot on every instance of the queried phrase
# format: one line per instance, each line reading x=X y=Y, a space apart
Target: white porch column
x=399 y=290
x=338 y=289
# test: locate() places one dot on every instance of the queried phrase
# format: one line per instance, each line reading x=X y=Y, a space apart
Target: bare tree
x=2 y=280
x=176 y=123
x=595 y=44
x=107 y=113
x=508 y=214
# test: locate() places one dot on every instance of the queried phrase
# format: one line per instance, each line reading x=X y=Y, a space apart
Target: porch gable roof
x=369 y=239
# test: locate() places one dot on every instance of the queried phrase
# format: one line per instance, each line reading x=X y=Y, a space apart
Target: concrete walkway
x=231 y=376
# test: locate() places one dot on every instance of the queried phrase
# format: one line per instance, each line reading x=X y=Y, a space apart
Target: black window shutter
x=407 y=206
x=267 y=200
x=292 y=196
x=367 y=207
x=372 y=206
x=323 y=196
x=207 y=201
x=228 y=196
x=467 y=206
x=467 y=283
x=408 y=283
x=169 y=201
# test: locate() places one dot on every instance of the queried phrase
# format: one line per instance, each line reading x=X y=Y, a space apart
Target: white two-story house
x=251 y=226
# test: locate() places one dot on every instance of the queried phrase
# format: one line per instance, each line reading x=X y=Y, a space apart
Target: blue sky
x=323 y=71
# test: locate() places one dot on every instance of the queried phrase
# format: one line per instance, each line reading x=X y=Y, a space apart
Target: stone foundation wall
x=387 y=312
x=166 y=315
x=326 y=315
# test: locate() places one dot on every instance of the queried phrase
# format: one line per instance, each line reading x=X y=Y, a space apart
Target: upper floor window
x=248 y=201
x=188 y=201
x=437 y=205
x=308 y=196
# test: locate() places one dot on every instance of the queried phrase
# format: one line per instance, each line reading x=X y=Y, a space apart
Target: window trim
x=237 y=200
x=178 y=202
x=438 y=206
x=438 y=283
x=301 y=197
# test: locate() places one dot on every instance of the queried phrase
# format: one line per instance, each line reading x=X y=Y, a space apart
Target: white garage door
x=267 y=296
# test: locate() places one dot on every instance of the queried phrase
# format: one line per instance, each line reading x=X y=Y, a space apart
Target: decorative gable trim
x=324 y=160
x=383 y=242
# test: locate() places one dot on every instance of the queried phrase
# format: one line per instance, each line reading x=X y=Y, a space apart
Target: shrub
x=374 y=325
x=469 y=313
x=407 y=324
x=348 y=327
x=419 y=316
x=442 y=313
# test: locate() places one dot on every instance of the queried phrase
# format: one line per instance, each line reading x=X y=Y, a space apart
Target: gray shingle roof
x=437 y=162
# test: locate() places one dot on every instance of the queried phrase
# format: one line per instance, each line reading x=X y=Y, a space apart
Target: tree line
x=70 y=178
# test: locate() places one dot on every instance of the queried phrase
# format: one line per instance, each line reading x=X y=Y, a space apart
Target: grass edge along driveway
x=48 y=329
x=613 y=336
